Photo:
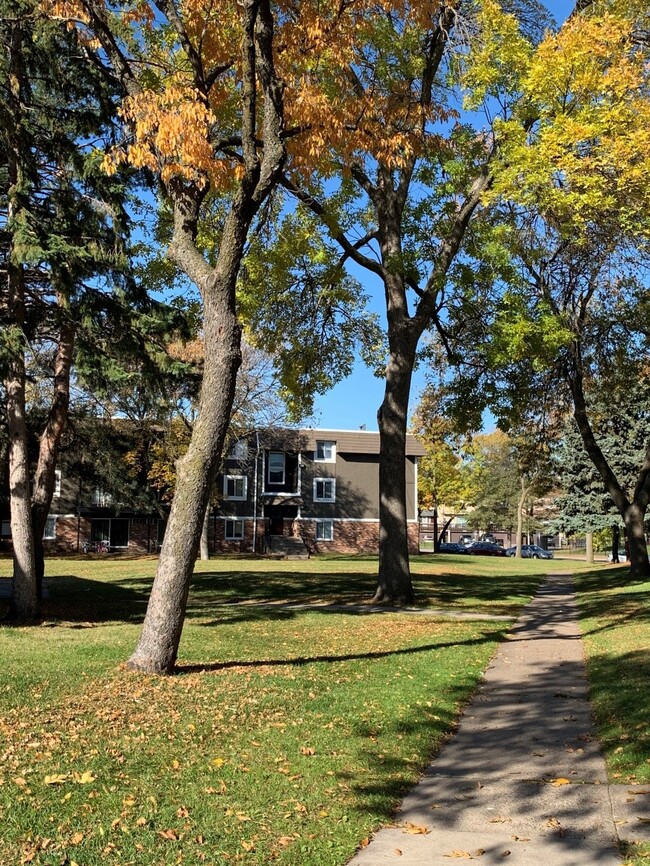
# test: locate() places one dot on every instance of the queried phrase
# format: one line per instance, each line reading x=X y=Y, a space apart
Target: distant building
x=319 y=487
x=279 y=491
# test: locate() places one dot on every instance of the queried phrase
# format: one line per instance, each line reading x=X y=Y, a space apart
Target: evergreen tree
x=67 y=301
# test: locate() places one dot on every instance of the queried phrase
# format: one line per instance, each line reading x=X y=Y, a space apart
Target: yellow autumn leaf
x=56 y=779
x=557 y=783
x=218 y=762
x=77 y=838
x=85 y=778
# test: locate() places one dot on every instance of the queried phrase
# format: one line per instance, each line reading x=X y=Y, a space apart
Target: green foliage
x=621 y=424
x=300 y=306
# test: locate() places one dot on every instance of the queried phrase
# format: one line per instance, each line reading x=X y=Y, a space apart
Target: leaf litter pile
x=292 y=752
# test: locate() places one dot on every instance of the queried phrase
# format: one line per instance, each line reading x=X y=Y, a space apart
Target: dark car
x=531 y=551
x=452 y=547
x=485 y=548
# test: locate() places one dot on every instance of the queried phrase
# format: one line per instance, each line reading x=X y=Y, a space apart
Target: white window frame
x=324 y=530
x=57 y=482
x=284 y=469
x=231 y=525
x=238 y=450
x=235 y=479
x=50 y=521
x=325 y=446
x=332 y=497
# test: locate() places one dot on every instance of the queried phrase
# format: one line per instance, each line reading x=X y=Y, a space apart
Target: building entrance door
x=276 y=525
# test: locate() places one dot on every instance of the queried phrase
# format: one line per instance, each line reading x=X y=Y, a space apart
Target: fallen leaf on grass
x=307 y=750
x=77 y=838
x=19 y=781
x=84 y=778
x=172 y=835
x=56 y=779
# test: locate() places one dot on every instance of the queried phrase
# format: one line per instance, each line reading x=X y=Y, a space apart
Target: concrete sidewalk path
x=522 y=781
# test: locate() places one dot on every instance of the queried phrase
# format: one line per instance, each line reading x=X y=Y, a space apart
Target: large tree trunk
x=634 y=518
x=49 y=446
x=394 y=579
x=25 y=604
x=158 y=645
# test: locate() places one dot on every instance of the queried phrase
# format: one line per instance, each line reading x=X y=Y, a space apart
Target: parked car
x=531 y=551
x=465 y=540
x=452 y=547
x=485 y=548
x=622 y=556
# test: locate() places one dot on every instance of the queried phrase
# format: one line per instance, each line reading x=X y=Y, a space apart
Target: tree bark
x=49 y=446
x=634 y=519
x=161 y=632
x=589 y=547
x=24 y=604
x=204 y=548
x=394 y=584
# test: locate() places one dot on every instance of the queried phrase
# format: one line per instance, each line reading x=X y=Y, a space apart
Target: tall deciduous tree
x=580 y=178
x=399 y=146
x=206 y=93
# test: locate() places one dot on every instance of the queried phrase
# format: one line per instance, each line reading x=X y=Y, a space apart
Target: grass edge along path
x=286 y=738
x=615 y=621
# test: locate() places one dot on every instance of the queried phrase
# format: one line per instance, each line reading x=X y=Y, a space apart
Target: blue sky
x=354 y=402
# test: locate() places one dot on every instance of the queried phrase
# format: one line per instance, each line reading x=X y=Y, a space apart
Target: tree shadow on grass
x=72 y=599
x=615 y=597
x=238 y=596
x=208 y=667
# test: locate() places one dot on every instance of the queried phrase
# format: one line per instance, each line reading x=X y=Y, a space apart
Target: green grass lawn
x=616 y=625
x=286 y=737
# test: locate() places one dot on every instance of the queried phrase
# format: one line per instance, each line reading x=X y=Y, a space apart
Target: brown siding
x=356 y=441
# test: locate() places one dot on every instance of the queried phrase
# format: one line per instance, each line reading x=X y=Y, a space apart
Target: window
x=234 y=530
x=49 y=533
x=324 y=530
x=325 y=451
x=114 y=530
x=234 y=487
x=238 y=450
x=57 y=482
x=276 y=467
x=101 y=498
x=5 y=529
x=324 y=490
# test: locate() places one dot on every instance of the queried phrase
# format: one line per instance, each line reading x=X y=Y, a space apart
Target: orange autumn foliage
x=336 y=106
